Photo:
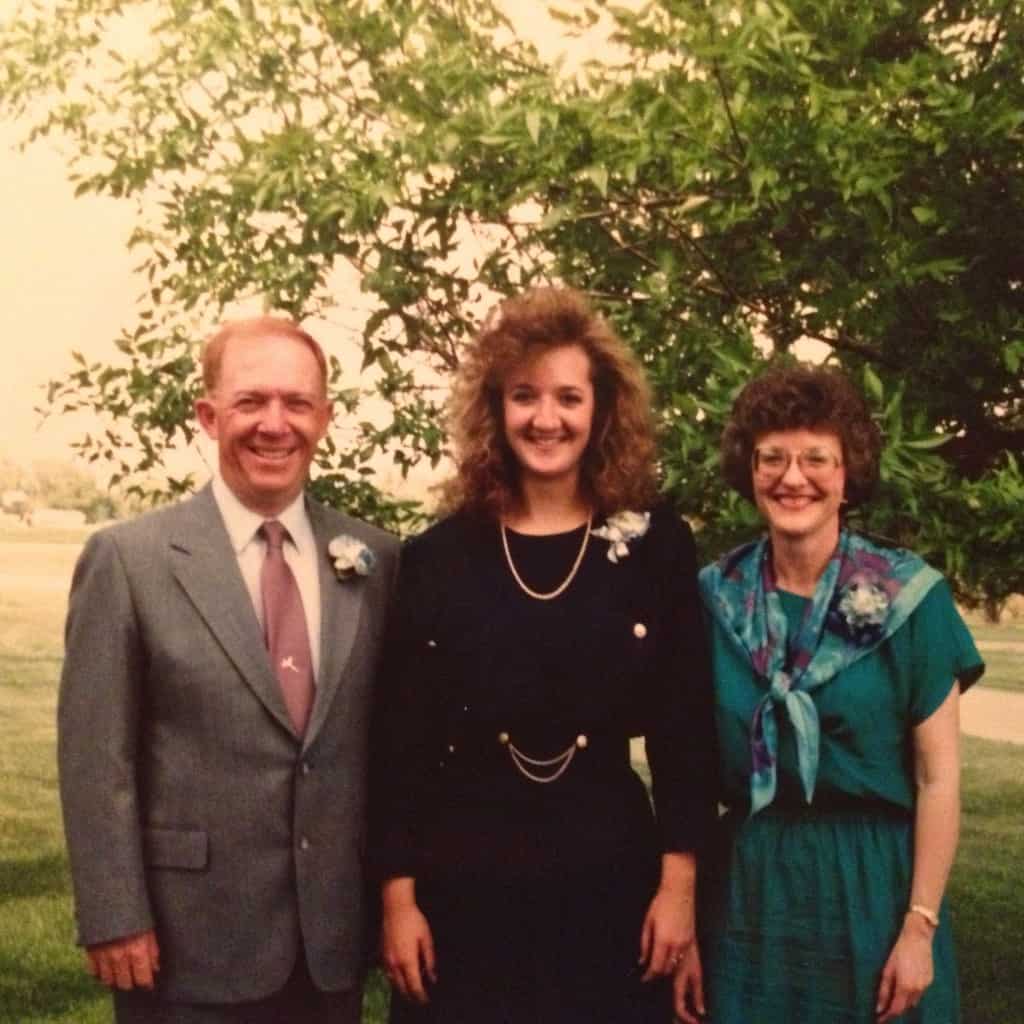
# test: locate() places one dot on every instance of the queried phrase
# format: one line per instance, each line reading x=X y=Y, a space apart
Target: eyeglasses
x=814 y=463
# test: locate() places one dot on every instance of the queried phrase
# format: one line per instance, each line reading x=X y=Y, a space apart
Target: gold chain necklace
x=568 y=579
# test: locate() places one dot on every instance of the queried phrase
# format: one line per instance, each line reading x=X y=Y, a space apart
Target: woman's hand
x=669 y=927
x=406 y=945
x=688 y=987
x=908 y=971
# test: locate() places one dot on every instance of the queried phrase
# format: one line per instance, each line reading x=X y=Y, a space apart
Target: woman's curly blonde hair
x=617 y=471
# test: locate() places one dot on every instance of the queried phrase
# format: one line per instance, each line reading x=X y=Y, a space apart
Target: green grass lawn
x=984 y=891
x=41 y=975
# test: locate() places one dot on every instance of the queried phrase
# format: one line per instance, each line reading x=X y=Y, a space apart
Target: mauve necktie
x=284 y=628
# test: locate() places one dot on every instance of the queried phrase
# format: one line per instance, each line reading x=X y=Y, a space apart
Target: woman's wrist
x=916 y=923
x=678 y=874
x=925 y=911
x=396 y=893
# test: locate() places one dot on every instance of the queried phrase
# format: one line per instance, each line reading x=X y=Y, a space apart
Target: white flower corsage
x=864 y=605
x=620 y=529
x=351 y=557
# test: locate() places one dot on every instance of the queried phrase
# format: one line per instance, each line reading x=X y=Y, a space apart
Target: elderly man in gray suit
x=213 y=718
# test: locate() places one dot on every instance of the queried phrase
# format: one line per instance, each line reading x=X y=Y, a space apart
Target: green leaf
x=873 y=386
x=554 y=217
x=599 y=177
x=533 y=123
x=927 y=443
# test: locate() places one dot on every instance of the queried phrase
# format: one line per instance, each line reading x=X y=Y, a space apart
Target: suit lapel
x=205 y=565
x=341 y=608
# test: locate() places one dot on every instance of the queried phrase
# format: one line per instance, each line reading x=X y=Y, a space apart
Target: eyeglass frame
x=835 y=460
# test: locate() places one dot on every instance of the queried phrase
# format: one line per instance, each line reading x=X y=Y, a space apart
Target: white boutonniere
x=620 y=530
x=351 y=557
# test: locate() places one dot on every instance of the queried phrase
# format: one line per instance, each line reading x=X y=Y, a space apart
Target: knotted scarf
x=864 y=595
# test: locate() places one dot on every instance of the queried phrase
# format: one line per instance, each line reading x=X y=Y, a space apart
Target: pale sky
x=65 y=283
x=66 y=279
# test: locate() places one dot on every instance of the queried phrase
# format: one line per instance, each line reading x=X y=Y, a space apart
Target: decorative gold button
x=431 y=643
x=582 y=741
x=451 y=748
x=639 y=630
x=503 y=738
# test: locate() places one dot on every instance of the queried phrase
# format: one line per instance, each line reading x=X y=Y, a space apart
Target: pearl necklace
x=535 y=594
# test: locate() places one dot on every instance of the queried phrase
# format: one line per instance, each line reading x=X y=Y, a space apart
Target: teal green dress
x=802 y=904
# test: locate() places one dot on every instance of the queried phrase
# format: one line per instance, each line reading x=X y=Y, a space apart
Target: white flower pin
x=620 y=530
x=864 y=604
x=351 y=557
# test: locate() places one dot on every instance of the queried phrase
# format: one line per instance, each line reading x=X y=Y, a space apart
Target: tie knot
x=782 y=683
x=274 y=534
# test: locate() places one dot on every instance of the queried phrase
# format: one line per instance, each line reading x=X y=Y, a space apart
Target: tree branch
x=720 y=80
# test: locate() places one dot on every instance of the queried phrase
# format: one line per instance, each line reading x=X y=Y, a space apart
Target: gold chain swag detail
x=555 y=766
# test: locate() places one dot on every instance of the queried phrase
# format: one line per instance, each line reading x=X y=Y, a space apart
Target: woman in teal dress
x=838 y=669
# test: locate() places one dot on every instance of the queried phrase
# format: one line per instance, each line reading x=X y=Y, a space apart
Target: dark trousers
x=299 y=1002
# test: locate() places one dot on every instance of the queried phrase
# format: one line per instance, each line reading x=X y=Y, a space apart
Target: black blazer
x=471 y=657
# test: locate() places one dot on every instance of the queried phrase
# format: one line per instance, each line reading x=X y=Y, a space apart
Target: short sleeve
x=942 y=651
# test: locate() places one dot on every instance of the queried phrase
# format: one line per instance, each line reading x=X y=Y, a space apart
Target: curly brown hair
x=617 y=470
x=802 y=397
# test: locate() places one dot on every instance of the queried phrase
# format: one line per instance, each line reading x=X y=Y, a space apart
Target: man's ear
x=206 y=413
x=328 y=419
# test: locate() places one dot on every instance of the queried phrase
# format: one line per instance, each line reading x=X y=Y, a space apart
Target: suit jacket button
x=303 y=843
x=639 y=631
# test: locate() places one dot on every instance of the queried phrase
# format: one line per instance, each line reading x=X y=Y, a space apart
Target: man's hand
x=129 y=962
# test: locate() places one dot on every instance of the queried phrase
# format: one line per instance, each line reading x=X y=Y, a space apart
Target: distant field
x=1003 y=669
x=1002 y=647
x=1005 y=632
x=14 y=533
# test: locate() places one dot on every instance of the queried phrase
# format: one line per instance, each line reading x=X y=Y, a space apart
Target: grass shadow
x=36 y=990
x=30 y=878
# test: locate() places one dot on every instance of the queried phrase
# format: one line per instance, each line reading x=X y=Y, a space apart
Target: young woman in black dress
x=552 y=616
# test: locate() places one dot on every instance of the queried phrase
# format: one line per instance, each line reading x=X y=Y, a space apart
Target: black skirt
x=560 y=949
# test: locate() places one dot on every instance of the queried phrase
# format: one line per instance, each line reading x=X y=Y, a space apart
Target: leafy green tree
x=728 y=180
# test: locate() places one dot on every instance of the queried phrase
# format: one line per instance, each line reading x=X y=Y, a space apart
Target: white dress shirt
x=299 y=552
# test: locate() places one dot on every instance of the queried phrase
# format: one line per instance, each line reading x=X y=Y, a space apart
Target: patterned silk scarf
x=865 y=594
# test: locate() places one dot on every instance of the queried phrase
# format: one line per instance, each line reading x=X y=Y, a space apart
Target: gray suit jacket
x=190 y=806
